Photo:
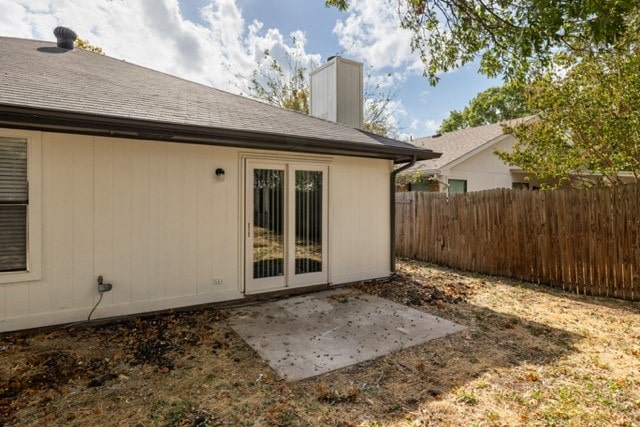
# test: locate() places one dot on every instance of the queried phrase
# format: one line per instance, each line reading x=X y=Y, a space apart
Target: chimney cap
x=65 y=37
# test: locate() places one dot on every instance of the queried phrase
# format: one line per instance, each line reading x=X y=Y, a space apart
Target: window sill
x=20 y=276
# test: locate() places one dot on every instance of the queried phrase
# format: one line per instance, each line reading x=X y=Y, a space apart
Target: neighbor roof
x=49 y=88
x=456 y=144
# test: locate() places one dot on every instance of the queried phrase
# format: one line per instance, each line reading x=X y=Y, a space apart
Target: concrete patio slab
x=309 y=335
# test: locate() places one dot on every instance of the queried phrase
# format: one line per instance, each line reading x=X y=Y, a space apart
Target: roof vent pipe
x=65 y=37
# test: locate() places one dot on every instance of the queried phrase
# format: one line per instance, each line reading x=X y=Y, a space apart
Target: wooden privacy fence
x=585 y=241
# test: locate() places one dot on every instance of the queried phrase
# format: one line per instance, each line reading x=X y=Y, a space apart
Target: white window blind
x=14 y=199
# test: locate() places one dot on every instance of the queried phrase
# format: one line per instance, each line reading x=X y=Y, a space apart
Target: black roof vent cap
x=65 y=37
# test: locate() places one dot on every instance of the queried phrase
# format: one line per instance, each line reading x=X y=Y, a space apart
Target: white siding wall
x=359 y=221
x=484 y=170
x=152 y=219
x=324 y=87
x=349 y=93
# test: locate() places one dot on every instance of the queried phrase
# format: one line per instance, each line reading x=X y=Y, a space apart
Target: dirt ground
x=530 y=356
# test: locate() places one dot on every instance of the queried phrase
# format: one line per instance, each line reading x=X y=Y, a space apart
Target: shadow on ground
x=392 y=386
x=555 y=291
x=192 y=369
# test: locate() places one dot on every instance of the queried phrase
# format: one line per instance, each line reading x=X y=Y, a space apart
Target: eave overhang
x=122 y=127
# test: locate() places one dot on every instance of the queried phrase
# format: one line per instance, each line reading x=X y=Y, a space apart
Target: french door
x=285 y=225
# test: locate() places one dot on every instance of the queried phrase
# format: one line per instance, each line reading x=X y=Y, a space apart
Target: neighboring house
x=175 y=193
x=468 y=162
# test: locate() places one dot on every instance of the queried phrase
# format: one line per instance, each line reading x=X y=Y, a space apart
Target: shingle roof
x=38 y=75
x=454 y=145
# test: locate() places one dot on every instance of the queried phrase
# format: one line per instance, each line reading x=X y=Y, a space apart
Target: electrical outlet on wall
x=217 y=282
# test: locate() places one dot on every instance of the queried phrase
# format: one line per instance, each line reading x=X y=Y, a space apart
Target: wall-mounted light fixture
x=220 y=174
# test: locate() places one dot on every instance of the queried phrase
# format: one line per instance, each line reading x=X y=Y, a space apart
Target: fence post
x=585 y=241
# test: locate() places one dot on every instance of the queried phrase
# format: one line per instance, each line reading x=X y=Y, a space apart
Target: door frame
x=248 y=163
x=266 y=283
x=320 y=277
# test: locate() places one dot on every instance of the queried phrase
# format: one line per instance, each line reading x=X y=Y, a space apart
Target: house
x=125 y=190
x=468 y=162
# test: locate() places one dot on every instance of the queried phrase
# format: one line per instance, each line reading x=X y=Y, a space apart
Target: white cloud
x=372 y=34
x=221 y=45
x=382 y=80
x=291 y=56
x=431 y=126
x=155 y=34
x=420 y=129
x=424 y=95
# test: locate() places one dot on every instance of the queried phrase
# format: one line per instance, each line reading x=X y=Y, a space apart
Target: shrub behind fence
x=585 y=241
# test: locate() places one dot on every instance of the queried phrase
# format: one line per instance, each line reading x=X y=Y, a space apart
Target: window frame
x=456 y=180
x=34 y=207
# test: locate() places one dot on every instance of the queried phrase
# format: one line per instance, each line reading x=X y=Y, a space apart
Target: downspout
x=439 y=181
x=392 y=207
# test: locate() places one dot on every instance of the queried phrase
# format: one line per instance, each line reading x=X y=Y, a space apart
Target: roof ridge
x=467 y=129
x=470 y=128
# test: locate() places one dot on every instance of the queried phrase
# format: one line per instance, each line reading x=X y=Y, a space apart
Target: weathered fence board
x=584 y=241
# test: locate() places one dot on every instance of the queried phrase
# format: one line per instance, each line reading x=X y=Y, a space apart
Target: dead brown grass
x=530 y=356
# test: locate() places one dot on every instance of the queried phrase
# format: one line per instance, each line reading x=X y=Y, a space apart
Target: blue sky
x=212 y=40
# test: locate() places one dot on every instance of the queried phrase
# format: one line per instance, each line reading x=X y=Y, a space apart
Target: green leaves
x=340 y=4
x=513 y=39
x=491 y=106
x=589 y=130
x=283 y=86
x=579 y=59
x=287 y=86
x=378 y=111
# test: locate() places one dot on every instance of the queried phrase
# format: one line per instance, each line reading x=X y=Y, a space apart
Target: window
x=457 y=186
x=419 y=186
x=14 y=200
x=520 y=185
x=20 y=206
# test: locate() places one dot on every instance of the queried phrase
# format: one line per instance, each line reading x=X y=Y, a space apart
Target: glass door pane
x=308 y=221
x=286 y=225
x=268 y=223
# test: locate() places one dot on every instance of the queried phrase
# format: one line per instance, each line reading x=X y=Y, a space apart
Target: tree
x=580 y=58
x=378 y=111
x=377 y=118
x=288 y=87
x=490 y=106
x=589 y=122
x=515 y=39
